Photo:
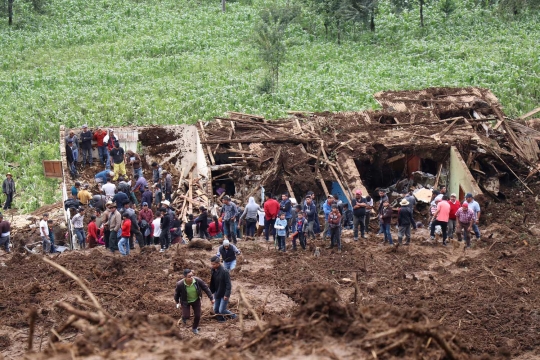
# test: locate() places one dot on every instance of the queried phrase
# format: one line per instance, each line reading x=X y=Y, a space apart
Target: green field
x=164 y=62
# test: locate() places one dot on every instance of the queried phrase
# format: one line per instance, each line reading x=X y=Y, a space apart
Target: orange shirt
x=443 y=207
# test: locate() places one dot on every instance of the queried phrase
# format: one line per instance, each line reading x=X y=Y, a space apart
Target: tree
x=328 y=10
x=448 y=7
x=361 y=11
x=269 y=38
x=10 y=12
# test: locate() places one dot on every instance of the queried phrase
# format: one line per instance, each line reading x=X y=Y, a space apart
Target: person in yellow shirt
x=84 y=195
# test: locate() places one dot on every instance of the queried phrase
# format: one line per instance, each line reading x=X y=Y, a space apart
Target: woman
x=250 y=214
x=215 y=228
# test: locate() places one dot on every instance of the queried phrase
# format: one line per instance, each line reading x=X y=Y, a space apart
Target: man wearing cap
x=454 y=207
x=441 y=217
x=44 y=233
x=147 y=196
x=8 y=188
x=109 y=141
x=221 y=287
x=5 y=228
x=77 y=222
x=228 y=252
x=75 y=148
x=115 y=223
x=103 y=153
x=475 y=207
x=359 y=214
x=146 y=217
x=117 y=158
x=168 y=185
x=405 y=221
x=188 y=294
x=465 y=220
x=135 y=160
x=229 y=213
x=86 y=145
x=71 y=158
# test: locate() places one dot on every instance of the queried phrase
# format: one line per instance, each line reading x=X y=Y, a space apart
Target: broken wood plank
x=208 y=149
x=394 y=158
x=530 y=113
x=322 y=160
x=324 y=187
x=289 y=188
x=252 y=140
x=449 y=127
x=246 y=115
x=223 y=175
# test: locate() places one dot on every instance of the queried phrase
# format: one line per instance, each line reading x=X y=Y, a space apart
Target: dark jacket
x=361 y=211
x=405 y=217
x=120 y=199
x=8 y=186
x=86 y=139
x=220 y=283
x=180 y=294
x=69 y=154
x=311 y=211
x=188 y=229
x=386 y=214
x=285 y=206
x=202 y=220
x=165 y=223
x=147 y=197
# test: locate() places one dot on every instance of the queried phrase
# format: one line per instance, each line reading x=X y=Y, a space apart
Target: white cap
x=166 y=202
x=225 y=242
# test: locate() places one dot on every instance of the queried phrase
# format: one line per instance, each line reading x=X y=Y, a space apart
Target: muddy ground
x=411 y=301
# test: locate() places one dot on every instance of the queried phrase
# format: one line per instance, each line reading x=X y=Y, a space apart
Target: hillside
x=163 y=61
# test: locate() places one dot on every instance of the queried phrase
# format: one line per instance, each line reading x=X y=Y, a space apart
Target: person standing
x=71 y=159
x=228 y=252
x=77 y=222
x=8 y=188
x=5 y=232
x=139 y=186
x=156 y=228
x=134 y=160
x=202 y=222
x=311 y=213
x=147 y=196
x=454 y=207
x=92 y=232
x=135 y=230
x=120 y=199
x=327 y=209
x=188 y=227
x=157 y=173
x=369 y=209
x=105 y=224
x=115 y=223
x=385 y=217
x=123 y=244
x=411 y=199
x=441 y=217
x=103 y=154
x=281 y=227
x=117 y=157
x=334 y=224
x=382 y=198
x=147 y=216
x=51 y=235
x=359 y=213
x=75 y=148
x=84 y=195
x=465 y=220
x=165 y=236
x=285 y=206
x=188 y=294
x=475 y=207
x=221 y=287
x=158 y=194
x=250 y=215
x=229 y=212
x=168 y=185
x=271 y=210
x=86 y=145
x=44 y=233
x=405 y=221
x=109 y=140
x=300 y=227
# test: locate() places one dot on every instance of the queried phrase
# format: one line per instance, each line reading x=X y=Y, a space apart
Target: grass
x=166 y=62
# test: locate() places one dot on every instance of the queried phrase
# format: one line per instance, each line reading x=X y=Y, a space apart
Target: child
x=281 y=227
x=188 y=229
x=299 y=231
x=51 y=235
x=334 y=223
x=347 y=217
x=92 y=232
x=123 y=244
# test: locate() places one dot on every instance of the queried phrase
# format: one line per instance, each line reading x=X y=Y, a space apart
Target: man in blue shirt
x=101 y=177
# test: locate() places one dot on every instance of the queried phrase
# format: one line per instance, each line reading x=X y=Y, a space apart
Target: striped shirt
x=465 y=216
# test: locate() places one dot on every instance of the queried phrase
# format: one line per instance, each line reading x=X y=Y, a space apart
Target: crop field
x=163 y=62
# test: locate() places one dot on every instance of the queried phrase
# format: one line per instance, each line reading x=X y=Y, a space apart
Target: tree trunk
x=223 y=3
x=10 y=12
x=372 y=23
x=422 y=13
x=326 y=30
x=338 y=33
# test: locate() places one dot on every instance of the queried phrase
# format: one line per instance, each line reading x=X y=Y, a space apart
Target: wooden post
x=289 y=188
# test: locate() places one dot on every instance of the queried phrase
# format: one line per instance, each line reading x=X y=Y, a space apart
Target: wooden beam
x=324 y=187
x=247 y=115
x=449 y=127
x=530 y=113
x=394 y=158
x=289 y=188
x=208 y=149
x=438 y=176
x=252 y=140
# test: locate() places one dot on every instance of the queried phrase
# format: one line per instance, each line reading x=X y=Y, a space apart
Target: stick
x=31 y=322
x=250 y=308
x=77 y=279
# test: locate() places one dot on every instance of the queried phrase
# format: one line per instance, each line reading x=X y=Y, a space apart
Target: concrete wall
x=460 y=175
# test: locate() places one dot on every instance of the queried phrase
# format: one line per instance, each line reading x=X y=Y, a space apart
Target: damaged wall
x=460 y=176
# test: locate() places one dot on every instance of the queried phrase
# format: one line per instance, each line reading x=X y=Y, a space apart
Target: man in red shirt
x=454 y=206
x=441 y=217
x=101 y=146
x=92 y=232
x=271 y=211
x=123 y=244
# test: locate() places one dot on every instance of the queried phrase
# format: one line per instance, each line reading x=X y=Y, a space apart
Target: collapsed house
x=457 y=137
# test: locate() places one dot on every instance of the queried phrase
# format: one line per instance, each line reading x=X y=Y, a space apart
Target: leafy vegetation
x=134 y=62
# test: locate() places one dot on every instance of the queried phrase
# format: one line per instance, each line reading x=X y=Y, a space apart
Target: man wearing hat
x=221 y=287
x=77 y=222
x=454 y=207
x=8 y=188
x=228 y=252
x=109 y=140
x=5 y=228
x=103 y=153
x=86 y=145
x=359 y=214
x=168 y=185
x=405 y=221
x=475 y=207
x=188 y=294
x=465 y=220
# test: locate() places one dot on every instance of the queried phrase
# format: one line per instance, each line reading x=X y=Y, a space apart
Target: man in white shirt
x=108 y=189
x=157 y=227
x=44 y=233
x=77 y=222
